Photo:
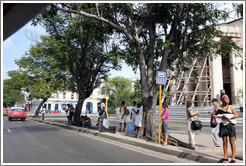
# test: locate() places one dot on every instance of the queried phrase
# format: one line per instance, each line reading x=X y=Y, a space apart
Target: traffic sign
x=161 y=77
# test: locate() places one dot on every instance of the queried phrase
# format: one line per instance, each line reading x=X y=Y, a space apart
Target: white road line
x=8 y=130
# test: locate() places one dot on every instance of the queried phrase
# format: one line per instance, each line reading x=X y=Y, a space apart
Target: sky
x=18 y=44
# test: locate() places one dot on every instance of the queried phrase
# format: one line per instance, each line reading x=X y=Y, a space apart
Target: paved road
x=32 y=142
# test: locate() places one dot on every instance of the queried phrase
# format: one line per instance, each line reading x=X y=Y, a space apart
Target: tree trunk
x=148 y=125
x=39 y=106
x=79 y=108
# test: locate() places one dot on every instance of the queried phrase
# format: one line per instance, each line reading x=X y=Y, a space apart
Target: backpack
x=213 y=122
x=127 y=112
x=100 y=111
x=196 y=125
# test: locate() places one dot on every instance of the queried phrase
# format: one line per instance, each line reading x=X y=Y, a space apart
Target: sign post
x=161 y=80
x=107 y=105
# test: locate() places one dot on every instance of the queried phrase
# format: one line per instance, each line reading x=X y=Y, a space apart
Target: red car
x=17 y=113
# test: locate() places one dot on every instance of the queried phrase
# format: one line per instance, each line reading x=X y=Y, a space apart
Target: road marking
x=8 y=130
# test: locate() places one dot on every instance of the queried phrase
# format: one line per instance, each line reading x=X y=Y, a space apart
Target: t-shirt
x=132 y=112
x=188 y=114
x=122 y=110
x=103 y=106
x=43 y=110
x=166 y=114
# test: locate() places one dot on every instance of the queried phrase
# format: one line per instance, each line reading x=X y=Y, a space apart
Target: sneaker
x=232 y=161
x=222 y=160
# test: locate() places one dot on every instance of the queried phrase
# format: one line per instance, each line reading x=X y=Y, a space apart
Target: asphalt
x=204 y=153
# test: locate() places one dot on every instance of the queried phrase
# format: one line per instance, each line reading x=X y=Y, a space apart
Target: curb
x=172 y=150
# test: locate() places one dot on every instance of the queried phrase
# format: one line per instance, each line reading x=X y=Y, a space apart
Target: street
x=32 y=142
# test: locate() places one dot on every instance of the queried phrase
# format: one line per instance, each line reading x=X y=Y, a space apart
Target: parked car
x=5 y=111
x=17 y=113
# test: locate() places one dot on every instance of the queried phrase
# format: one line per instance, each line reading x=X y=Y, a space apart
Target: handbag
x=196 y=125
x=106 y=123
x=213 y=122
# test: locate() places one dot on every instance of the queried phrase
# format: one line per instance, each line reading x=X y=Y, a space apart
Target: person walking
x=191 y=115
x=228 y=114
x=123 y=117
x=215 y=131
x=132 y=116
x=102 y=116
x=165 y=120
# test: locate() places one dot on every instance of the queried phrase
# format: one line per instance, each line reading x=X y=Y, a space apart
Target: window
x=72 y=96
x=64 y=95
x=56 y=107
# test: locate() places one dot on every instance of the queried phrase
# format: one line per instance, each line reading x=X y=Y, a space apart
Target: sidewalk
x=204 y=153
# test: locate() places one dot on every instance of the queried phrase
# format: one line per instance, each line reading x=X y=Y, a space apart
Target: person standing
x=123 y=117
x=102 y=116
x=72 y=113
x=134 y=108
x=138 y=118
x=165 y=120
x=68 y=113
x=227 y=126
x=215 y=131
x=191 y=115
x=43 y=112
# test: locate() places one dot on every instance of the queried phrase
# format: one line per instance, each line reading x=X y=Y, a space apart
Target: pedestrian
x=215 y=131
x=228 y=114
x=123 y=117
x=165 y=120
x=68 y=113
x=103 y=115
x=138 y=118
x=86 y=121
x=132 y=116
x=191 y=115
x=72 y=113
x=43 y=112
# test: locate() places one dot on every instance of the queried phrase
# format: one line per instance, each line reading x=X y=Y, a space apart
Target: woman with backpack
x=191 y=115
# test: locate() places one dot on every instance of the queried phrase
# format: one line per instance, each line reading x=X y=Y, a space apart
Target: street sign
x=161 y=78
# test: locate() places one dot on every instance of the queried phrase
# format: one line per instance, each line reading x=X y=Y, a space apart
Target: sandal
x=222 y=160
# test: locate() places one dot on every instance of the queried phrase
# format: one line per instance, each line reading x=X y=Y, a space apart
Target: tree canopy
x=157 y=37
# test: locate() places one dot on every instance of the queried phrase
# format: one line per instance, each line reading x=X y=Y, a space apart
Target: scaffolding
x=194 y=85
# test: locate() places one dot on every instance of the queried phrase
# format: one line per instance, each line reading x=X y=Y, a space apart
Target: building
x=59 y=100
x=205 y=80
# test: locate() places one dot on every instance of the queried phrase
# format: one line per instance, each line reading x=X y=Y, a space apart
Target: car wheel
x=23 y=119
x=9 y=118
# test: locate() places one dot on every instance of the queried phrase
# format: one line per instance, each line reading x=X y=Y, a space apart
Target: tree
x=37 y=75
x=12 y=94
x=119 y=89
x=77 y=45
x=155 y=36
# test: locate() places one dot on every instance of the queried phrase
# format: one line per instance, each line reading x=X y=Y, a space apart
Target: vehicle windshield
x=17 y=109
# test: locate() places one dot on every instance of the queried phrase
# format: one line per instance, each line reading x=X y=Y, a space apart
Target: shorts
x=227 y=130
x=164 y=127
x=124 y=120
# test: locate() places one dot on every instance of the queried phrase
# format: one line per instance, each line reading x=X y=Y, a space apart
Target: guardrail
x=177 y=113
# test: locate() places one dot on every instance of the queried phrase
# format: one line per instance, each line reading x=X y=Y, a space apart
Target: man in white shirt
x=103 y=116
x=43 y=112
x=215 y=131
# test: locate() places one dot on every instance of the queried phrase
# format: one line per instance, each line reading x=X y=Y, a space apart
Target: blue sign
x=161 y=77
